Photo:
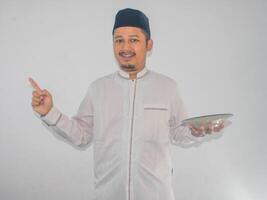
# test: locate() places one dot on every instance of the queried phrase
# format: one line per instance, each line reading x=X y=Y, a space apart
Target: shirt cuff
x=52 y=117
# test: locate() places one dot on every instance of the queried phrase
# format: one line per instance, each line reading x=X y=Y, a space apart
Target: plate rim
x=211 y=115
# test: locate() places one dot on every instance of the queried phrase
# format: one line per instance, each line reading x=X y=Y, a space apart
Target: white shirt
x=132 y=124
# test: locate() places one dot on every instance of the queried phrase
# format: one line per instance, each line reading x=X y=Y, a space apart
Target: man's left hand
x=202 y=130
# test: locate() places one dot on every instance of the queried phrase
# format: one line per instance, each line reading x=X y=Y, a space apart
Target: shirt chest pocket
x=156 y=122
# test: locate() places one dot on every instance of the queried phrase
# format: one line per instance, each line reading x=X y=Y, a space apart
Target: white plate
x=205 y=120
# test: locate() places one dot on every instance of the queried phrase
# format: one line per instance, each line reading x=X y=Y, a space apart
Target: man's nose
x=126 y=46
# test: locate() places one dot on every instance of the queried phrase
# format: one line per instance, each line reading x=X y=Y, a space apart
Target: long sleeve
x=77 y=129
x=180 y=135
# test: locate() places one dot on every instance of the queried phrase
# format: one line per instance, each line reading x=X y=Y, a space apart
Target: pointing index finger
x=34 y=85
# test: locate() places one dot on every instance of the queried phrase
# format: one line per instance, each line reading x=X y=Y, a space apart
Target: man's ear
x=149 y=44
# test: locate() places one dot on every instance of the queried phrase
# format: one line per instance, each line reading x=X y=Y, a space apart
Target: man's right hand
x=42 y=100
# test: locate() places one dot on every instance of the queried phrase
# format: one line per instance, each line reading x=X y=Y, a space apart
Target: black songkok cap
x=132 y=17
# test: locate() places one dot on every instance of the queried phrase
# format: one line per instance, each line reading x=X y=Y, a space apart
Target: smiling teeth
x=128 y=55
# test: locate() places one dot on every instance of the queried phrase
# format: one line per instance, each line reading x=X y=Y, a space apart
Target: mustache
x=121 y=53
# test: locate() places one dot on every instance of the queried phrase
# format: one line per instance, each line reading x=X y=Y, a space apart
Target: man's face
x=130 y=48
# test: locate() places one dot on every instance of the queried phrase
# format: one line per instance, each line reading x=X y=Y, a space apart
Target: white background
x=216 y=50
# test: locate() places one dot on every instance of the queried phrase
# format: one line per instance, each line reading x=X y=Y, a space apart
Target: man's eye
x=118 y=41
x=134 y=40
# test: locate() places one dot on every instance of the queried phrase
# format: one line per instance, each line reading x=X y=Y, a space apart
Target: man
x=132 y=116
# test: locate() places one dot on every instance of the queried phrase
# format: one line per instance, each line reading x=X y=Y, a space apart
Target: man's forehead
x=128 y=31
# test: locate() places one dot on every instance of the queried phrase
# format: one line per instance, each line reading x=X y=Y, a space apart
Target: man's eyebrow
x=118 y=36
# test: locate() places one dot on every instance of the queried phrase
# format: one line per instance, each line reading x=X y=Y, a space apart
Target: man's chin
x=128 y=67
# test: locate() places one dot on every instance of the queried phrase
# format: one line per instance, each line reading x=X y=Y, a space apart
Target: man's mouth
x=127 y=55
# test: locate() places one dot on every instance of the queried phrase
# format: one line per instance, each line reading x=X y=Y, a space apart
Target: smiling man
x=130 y=47
x=131 y=40
x=132 y=117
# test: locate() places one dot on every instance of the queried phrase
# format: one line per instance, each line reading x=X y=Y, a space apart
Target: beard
x=128 y=67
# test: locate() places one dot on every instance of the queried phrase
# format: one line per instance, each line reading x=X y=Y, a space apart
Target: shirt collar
x=126 y=75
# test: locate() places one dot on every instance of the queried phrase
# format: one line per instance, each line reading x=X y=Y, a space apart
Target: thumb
x=45 y=92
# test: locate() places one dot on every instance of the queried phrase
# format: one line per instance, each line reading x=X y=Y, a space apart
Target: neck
x=133 y=75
